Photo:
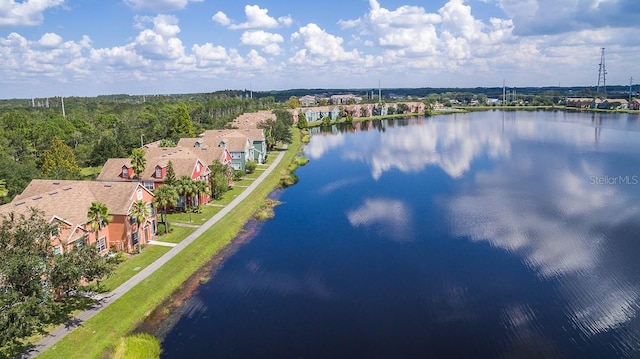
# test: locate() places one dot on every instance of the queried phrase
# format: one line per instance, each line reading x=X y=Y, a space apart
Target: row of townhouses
x=67 y=203
x=348 y=99
x=603 y=104
x=356 y=111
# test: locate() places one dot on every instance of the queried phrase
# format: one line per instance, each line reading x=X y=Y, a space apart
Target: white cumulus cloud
x=267 y=40
x=25 y=13
x=221 y=18
x=320 y=47
x=50 y=40
x=257 y=18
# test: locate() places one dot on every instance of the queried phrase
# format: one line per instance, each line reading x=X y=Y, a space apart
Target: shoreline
x=97 y=335
x=466 y=109
x=161 y=320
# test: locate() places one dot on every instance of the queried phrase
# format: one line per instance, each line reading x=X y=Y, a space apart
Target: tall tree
x=180 y=122
x=98 y=217
x=278 y=130
x=165 y=196
x=3 y=188
x=302 y=121
x=171 y=175
x=200 y=188
x=59 y=162
x=219 y=179
x=138 y=161
x=34 y=279
x=218 y=184
x=24 y=258
x=187 y=188
x=139 y=211
x=106 y=147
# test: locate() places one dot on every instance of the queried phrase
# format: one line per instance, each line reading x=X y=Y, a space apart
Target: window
x=102 y=244
x=197 y=166
x=149 y=186
x=158 y=172
x=132 y=220
x=125 y=172
x=57 y=250
x=134 y=238
x=79 y=243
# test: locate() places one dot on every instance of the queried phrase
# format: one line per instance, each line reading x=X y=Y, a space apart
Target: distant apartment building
x=345 y=99
x=308 y=100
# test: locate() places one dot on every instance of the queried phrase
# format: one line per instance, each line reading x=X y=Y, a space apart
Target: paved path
x=178 y=224
x=55 y=336
x=164 y=244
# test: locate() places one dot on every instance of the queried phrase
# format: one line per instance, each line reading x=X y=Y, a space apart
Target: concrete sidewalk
x=55 y=336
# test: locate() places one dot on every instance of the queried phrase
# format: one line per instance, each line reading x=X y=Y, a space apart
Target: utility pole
x=64 y=115
x=630 y=88
x=602 y=75
x=504 y=93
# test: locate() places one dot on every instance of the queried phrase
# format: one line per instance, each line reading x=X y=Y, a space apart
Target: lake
x=488 y=234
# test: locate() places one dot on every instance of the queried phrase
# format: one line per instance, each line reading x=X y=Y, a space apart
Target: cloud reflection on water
x=450 y=145
x=391 y=217
x=556 y=221
x=537 y=204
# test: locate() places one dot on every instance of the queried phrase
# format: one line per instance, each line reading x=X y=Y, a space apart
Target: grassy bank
x=104 y=330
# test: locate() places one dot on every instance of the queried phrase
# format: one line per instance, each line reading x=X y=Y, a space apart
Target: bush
x=139 y=345
x=250 y=167
x=237 y=175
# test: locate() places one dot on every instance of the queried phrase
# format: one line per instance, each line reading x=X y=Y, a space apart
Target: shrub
x=139 y=345
x=237 y=175
x=250 y=167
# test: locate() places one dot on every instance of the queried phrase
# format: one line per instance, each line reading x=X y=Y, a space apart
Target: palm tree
x=187 y=188
x=165 y=196
x=139 y=211
x=201 y=188
x=98 y=217
x=138 y=161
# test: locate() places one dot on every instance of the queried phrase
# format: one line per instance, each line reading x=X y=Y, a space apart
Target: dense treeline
x=615 y=91
x=95 y=129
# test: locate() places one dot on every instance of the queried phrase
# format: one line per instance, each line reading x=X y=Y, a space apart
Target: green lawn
x=229 y=196
x=93 y=338
x=132 y=266
x=205 y=213
x=176 y=235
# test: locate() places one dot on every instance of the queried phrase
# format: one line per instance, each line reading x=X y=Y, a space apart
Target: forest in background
x=38 y=141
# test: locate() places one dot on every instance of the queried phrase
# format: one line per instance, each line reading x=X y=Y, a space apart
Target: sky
x=98 y=47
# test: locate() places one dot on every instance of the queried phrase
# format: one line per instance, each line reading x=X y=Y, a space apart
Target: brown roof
x=251 y=119
x=329 y=108
x=183 y=160
x=235 y=140
x=70 y=200
x=208 y=152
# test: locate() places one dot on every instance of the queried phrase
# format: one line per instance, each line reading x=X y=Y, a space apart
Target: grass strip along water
x=104 y=330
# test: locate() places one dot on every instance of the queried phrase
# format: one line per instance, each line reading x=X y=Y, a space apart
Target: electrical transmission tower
x=602 y=75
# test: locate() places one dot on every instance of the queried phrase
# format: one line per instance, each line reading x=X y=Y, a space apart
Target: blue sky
x=93 y=47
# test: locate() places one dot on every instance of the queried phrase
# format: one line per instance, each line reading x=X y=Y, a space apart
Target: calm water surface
x=487 y=234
